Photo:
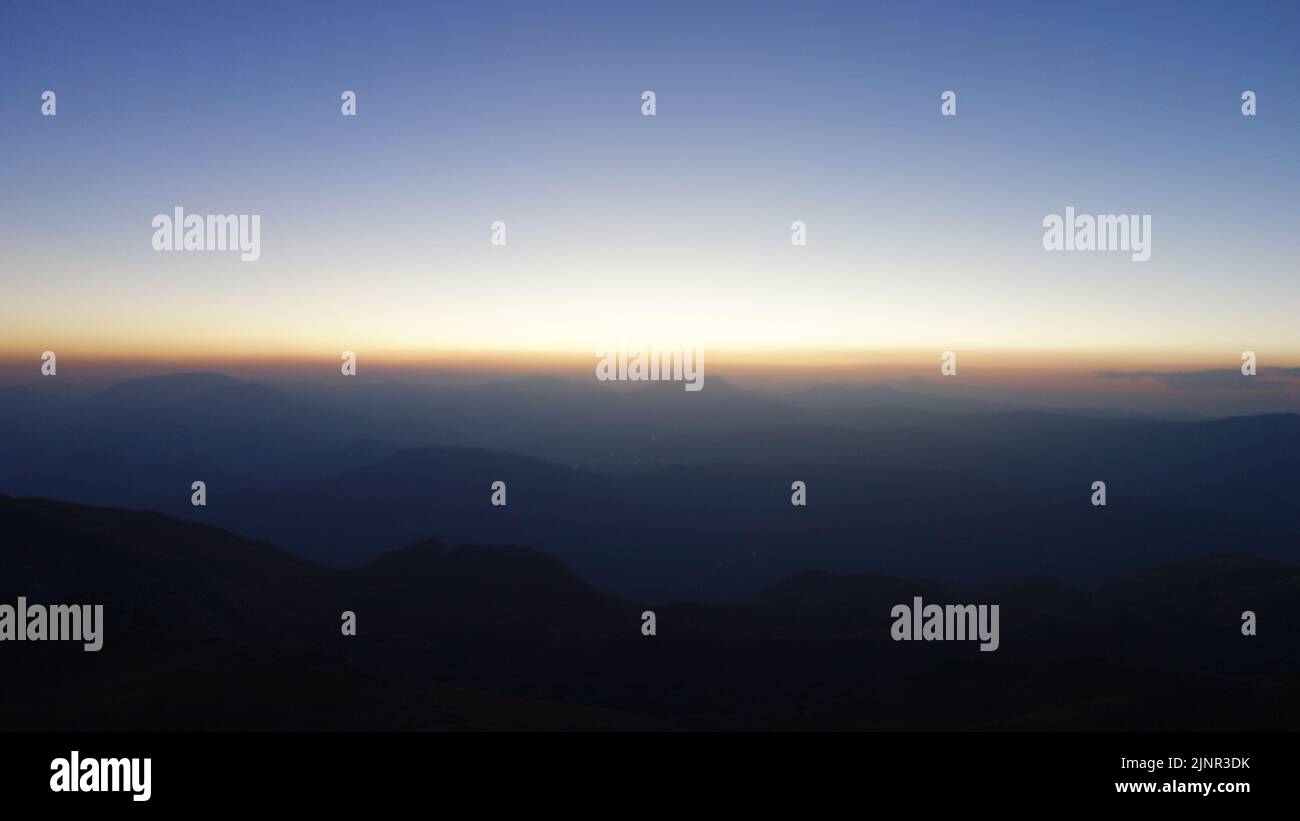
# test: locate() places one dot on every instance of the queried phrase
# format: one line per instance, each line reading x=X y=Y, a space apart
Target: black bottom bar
x=329 y=772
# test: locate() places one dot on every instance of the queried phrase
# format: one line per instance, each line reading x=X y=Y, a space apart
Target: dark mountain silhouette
x=207 y=630
x=656 y=491
x=149 y=433
x=1246 y=464
x=720 y=530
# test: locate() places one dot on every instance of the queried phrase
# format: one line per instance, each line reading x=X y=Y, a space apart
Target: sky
x=924 y=231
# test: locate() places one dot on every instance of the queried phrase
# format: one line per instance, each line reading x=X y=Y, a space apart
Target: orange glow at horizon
x=1004 y=367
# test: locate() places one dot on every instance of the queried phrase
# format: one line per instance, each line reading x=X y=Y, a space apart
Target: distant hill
x=719 y=530
x=205 y=630
x=655 y=491
x=208 y=630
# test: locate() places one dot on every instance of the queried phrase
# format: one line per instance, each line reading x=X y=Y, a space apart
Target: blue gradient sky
x=924 y=232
